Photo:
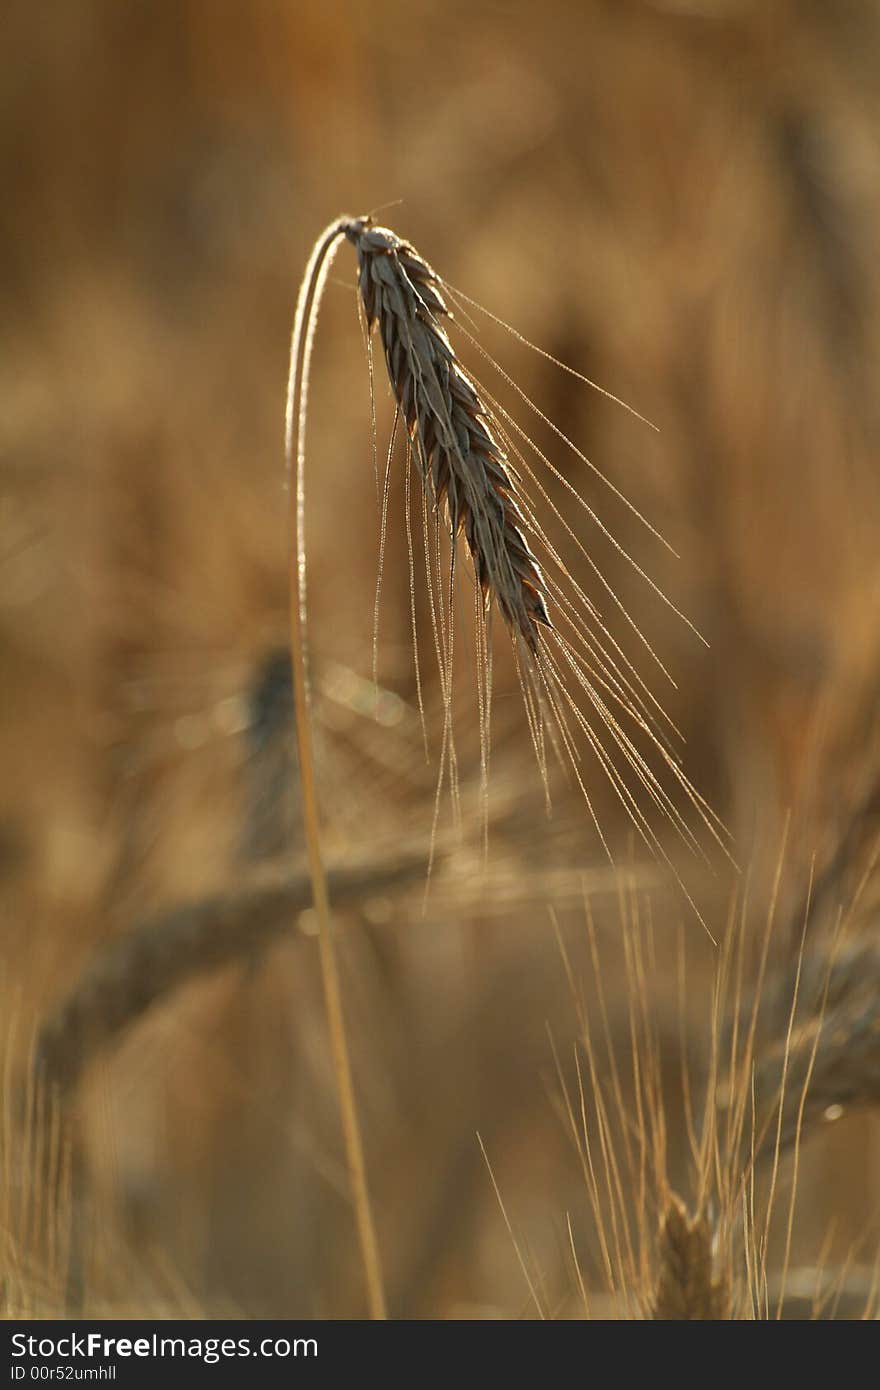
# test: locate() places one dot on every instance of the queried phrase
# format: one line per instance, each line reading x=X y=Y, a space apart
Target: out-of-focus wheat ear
x=146 y=965
x=689 y=1287
x=831 y=1062
x=305 y=321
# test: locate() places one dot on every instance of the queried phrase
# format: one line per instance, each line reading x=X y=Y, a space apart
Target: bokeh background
x=682 y=201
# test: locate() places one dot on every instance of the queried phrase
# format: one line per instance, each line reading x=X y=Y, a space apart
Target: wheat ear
x=462 y=464
x=307 y=307
x=688 y=1289
x=575 y=680
x=831 y=1061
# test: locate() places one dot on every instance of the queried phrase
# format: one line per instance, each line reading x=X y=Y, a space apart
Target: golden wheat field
x=609 y=974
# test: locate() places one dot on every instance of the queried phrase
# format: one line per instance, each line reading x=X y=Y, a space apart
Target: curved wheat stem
x=295 y=441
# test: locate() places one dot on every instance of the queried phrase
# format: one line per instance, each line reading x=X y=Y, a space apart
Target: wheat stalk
x=305 y=320
x=464 y=443
x=464 y=468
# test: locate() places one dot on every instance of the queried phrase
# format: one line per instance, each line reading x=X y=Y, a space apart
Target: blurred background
x=680 y=199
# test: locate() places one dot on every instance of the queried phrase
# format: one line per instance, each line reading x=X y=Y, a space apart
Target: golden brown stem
x=300 y=354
